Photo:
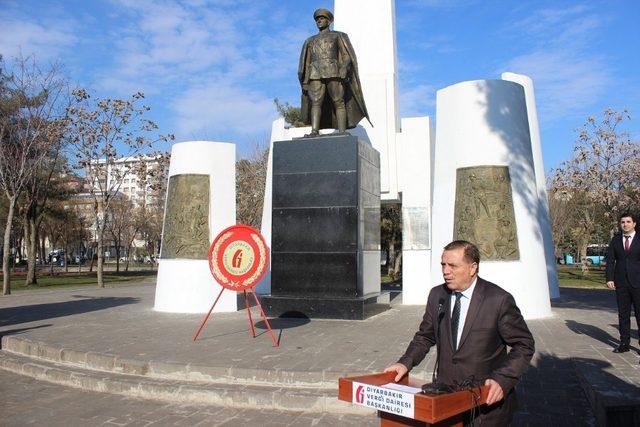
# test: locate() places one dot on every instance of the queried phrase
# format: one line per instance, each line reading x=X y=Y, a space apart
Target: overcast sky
x=211 y=68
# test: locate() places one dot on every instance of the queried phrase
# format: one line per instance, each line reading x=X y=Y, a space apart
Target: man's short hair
x=471 y=251
x=627 y=215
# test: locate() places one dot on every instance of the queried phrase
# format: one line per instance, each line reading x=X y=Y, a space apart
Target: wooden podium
x=441 y=410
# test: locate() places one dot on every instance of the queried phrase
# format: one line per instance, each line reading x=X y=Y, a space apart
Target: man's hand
x=495 y=392
x=398 y=368
x=611 y=285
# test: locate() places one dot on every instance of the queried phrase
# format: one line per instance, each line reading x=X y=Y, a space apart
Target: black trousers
x=626 y=296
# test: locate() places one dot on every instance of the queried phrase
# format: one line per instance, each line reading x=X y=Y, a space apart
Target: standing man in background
x=472 y=321
x=623 y=275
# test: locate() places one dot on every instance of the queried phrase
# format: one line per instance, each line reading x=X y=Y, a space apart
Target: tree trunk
x=33 y=245
x=126 y=266
x=41 y=248
x=25 y=231
x=66 y=261
x=6 y=267
x=398 y=263
x=391 y=250
x=584 y=265
x=117 y=257
x=100 y=265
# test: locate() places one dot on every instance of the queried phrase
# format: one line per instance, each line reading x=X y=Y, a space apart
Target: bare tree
x=391 y=237
x=101 y=132
x=74 y=235
x=47 y=188
x=251 y=174
x=601 y=179
x=122 y=226
x=152 y=186
x=31 y=125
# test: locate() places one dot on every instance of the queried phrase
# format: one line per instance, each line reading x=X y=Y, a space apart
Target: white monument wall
x=414 y=151
x=481 y=123
x=541 y=182
x=375 y=47
x=186 y=285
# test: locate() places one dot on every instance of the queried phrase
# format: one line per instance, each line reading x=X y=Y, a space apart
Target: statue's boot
x=315 y=120
x=341 y=118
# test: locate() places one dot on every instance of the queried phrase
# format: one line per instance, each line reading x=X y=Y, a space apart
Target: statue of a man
x=328 y=66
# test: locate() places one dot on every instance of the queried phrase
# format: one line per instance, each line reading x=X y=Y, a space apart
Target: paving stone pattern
x=572 y=346
x=26 y=402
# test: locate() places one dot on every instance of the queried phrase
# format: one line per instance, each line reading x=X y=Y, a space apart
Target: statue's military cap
x=323 y=12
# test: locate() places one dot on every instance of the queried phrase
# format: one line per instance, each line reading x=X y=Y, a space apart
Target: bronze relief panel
x=186 y=218
x=484 y=212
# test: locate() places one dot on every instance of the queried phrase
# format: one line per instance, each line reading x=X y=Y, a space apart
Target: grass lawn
x=570 y=276
x=62 y=280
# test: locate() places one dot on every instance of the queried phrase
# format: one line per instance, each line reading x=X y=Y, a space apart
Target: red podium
x=399 y=406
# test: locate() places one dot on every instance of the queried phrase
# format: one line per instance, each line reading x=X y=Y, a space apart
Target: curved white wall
x=186 y=285
x=541 y=182
x=485 y=122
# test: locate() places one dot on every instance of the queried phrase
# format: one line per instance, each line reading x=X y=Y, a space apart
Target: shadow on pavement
x=285 y=322
x=586 y=299
x=592 y=331
x=84 y=304
x=21 y=330
x=574 y=391
x=614 y=401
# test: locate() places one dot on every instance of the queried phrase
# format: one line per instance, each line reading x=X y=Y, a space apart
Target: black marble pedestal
x=325 y=256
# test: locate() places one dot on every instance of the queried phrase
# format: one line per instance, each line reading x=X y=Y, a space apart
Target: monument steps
x=217 y=386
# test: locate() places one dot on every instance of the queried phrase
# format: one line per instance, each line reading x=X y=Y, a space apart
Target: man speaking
x=472 y=321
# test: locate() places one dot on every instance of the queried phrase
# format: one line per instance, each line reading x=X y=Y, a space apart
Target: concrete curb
x=612 y=406
x=175 y=391
x=174 y=371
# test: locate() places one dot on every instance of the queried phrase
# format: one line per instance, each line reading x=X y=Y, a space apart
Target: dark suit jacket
x=624 y=267
x=493 y=322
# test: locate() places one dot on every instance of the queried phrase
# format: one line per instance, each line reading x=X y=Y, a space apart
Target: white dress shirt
x=465 y=300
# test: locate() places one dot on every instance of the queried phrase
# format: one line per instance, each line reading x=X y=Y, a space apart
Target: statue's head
x=323 y=13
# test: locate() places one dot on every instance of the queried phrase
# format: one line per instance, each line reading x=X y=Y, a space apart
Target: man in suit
x=476 y=320
x=623 y=275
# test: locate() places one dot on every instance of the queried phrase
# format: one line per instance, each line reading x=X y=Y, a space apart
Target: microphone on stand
x=440 y=316
x=434 y=387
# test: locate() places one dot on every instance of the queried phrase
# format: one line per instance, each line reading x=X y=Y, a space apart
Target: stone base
x=356 y=308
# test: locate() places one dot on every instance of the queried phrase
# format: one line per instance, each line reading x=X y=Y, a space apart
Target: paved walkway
x=573 y=348
x=25 y=401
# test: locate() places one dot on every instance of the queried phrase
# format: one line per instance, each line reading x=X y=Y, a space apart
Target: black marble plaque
x=326 y=212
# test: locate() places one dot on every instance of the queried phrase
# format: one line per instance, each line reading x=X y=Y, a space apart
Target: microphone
x=434 y=387
x=440 y=316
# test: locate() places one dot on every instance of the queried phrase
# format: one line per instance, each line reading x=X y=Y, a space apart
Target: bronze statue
x=328 y=65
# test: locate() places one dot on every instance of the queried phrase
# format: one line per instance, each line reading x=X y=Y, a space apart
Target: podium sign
x=402 y=404
x=384 y=399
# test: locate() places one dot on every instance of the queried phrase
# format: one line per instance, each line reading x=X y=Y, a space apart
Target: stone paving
x=573 y=355
x=26 y=401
